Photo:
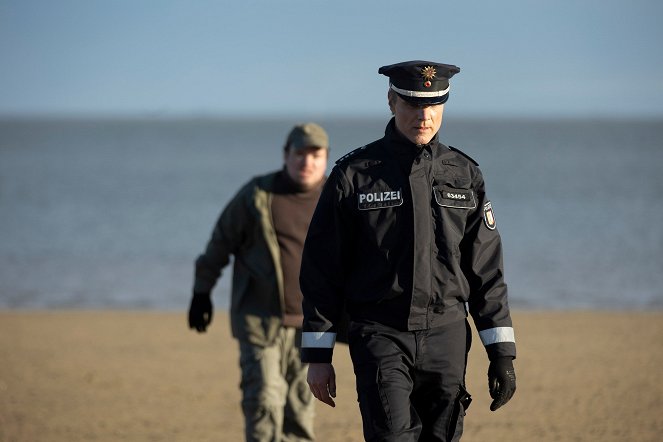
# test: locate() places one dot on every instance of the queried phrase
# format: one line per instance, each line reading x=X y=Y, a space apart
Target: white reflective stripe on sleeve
x=496 y=335
x=318 y=339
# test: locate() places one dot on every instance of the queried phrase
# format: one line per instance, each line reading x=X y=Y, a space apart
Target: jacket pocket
x=451 y=208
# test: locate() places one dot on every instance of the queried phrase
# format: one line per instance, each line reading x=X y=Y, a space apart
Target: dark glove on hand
x=501 y=381
x=200 y=312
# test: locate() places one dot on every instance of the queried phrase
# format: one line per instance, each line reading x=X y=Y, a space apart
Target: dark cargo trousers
x=411 y=385
x=277 y=403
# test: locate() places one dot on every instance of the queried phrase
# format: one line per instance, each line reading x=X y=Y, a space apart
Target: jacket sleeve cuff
x=499 y=342
x=501 y=350
x=317 y=346
x=316 y=355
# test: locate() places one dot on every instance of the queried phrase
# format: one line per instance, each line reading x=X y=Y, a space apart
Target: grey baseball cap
x=307 y=135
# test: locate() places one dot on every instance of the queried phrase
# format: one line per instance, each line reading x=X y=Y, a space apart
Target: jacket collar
x=402 y=145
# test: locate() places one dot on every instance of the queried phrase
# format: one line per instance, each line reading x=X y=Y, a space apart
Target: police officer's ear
x=286 y=150
x=391 y=100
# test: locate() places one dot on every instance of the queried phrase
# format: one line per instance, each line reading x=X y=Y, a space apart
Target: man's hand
x=322 y=382
x=501 y=381
x=200 y=312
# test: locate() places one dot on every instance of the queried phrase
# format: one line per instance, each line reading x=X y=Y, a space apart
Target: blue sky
x=288 y=58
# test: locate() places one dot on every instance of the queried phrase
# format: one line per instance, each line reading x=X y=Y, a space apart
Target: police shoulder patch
x=489 y=216
x=464 y=154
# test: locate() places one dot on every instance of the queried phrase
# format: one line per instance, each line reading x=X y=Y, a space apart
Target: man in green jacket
x=264 y=227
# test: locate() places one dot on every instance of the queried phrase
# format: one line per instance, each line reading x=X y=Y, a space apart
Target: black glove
x=501 y=381
x=200 y=312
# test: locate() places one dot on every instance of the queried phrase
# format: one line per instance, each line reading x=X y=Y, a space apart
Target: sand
x=143 y=376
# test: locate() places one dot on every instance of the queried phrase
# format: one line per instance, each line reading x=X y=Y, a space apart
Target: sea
x=110 y=213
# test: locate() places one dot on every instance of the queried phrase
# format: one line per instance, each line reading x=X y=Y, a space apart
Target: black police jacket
x=403 y=235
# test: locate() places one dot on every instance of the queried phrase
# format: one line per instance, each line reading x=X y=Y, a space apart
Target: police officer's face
x=306 y=166
x=418 y=124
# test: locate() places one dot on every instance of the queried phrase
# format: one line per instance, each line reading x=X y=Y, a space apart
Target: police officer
x=404 y=240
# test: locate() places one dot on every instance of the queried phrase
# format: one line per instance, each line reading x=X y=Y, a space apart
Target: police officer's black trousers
x=411 y=385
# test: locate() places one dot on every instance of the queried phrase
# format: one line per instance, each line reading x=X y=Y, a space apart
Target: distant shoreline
x=112 y=213
x=381 y=117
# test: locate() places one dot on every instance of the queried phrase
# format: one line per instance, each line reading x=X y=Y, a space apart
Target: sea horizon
x=112 y=212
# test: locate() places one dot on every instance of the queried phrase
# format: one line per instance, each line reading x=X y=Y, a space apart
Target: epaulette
x=464 y=154
x=351 y=154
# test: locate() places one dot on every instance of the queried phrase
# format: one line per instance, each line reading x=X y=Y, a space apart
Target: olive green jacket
x=245 y=230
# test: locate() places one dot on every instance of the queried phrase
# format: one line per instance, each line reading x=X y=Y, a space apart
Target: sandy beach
x=143 y=376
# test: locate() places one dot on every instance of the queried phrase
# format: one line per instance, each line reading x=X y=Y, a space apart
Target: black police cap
x=420 y=82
